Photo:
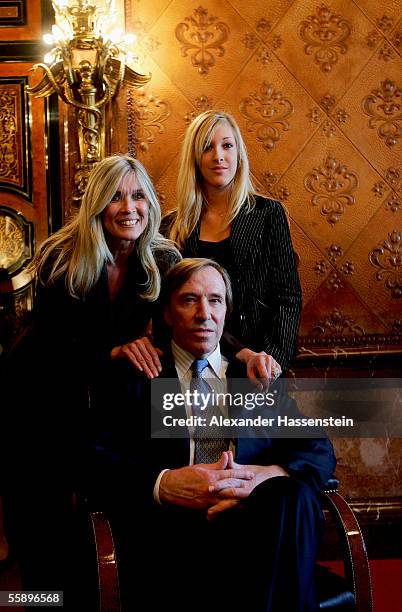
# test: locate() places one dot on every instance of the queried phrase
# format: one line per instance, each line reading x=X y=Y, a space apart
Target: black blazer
x=123 y=451
x=266 y=286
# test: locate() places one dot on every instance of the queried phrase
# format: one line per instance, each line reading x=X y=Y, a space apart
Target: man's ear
x=167 y=315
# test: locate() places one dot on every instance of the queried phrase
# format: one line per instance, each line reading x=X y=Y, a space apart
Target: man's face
x=196 y=312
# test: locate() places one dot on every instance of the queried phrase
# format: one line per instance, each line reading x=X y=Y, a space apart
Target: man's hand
x=262 y=369
x=142 y=354
x=190 y=486
x=230 y=496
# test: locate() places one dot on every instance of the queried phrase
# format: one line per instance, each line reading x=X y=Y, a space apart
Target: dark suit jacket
x=125 y=459
x=266 y=286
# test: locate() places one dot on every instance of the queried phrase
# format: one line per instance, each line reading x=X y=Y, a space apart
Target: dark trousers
x=257 y=557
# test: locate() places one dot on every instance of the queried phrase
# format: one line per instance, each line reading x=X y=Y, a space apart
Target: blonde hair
x=190 y=197
x=79 y=250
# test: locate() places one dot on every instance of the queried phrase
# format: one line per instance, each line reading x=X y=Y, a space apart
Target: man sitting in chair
x=231 y=525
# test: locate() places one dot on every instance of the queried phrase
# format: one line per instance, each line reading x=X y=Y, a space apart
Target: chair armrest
x=357 y=569
x=108 y=578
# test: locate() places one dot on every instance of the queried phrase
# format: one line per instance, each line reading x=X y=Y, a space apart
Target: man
x=211 y=523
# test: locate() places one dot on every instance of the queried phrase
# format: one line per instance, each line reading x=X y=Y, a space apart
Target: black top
x=218 y=251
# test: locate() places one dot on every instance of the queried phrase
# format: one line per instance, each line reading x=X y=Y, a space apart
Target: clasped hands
x=214 y=487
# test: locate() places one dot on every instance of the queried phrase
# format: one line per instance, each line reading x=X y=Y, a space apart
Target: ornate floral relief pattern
x=314 y=115
x=379 y=189
x=282 y=193
x=276 y=42
x=329 y=129
x=264 y=55
x=341 y=115
x=321 y=267
x=325 y=34
x=385 y=23
x=250 y=40
x=348 y=268
x=269 y=179
x=336 y=324
x=10 y=164
x=387 y=258
x=397 y=39
x=394 y=204
x=203 y=35
x=263 y=26
x=334 y=282
x=384 y=107
x=12 y=241
x=201 y=103
x=386 y=53
x=372 y=39
x=266 y=112
x=333 y=186
x=334 y=252
x=393 y=176
x=328 y=102
x=150 y=114
x=144 y=44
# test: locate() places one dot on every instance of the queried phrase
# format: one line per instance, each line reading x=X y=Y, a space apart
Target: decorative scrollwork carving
x=383 y=106
x=10 y=166
x=150 y=114
x=203 y=34
x=12 y=241
x=266 y=112
x=324 y=34
x=387 y=257
x=334 y=252
x=332 y=185
x=394 y=204
x=336 y=324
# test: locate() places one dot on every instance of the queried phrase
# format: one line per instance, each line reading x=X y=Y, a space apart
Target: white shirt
x=216 y=370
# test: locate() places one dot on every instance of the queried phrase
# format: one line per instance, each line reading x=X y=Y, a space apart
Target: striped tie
x=207 y=449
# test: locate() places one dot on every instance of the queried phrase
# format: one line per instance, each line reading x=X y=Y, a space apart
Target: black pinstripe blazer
x=266 y=286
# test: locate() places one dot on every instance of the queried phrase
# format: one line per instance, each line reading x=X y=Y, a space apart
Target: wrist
x=244 y=355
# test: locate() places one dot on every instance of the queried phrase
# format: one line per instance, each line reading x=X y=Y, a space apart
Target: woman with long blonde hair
x=220 y=215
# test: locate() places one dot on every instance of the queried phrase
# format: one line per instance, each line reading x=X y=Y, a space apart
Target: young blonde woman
x=220 y=215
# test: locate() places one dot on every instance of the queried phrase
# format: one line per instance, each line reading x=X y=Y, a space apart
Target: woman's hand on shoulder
x=261 y=367
x=142 y=354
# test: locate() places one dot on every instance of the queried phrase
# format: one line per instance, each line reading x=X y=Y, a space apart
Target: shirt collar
x=183 y=360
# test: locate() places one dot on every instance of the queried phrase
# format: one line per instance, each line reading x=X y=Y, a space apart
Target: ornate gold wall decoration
x=385 y=23
x=393 y=176
x=269 y=179
x=266 y=112
x=11 y=170
x=341 y=115
x=334 y=282
x=276 y=42
x=321 y=267
x=386 y=53
x=387 y=257
x=15 y=240
x=263 y=26
x=325 y=35
x=329 y=129
x=264 y=55
x=337 y=324
x=328 y=102
x=201 y=103
x=372 y=39
x=250 y=40
x=348 y=268
x=379 y=189
x=314 y=115
x=150 y=114
x=334 y=252
x=384 y=107
x=332 y=185
x=397 y=39
x=394 y=204
x=203 y=34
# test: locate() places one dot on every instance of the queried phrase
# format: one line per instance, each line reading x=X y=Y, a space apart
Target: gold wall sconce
x=86 y=66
